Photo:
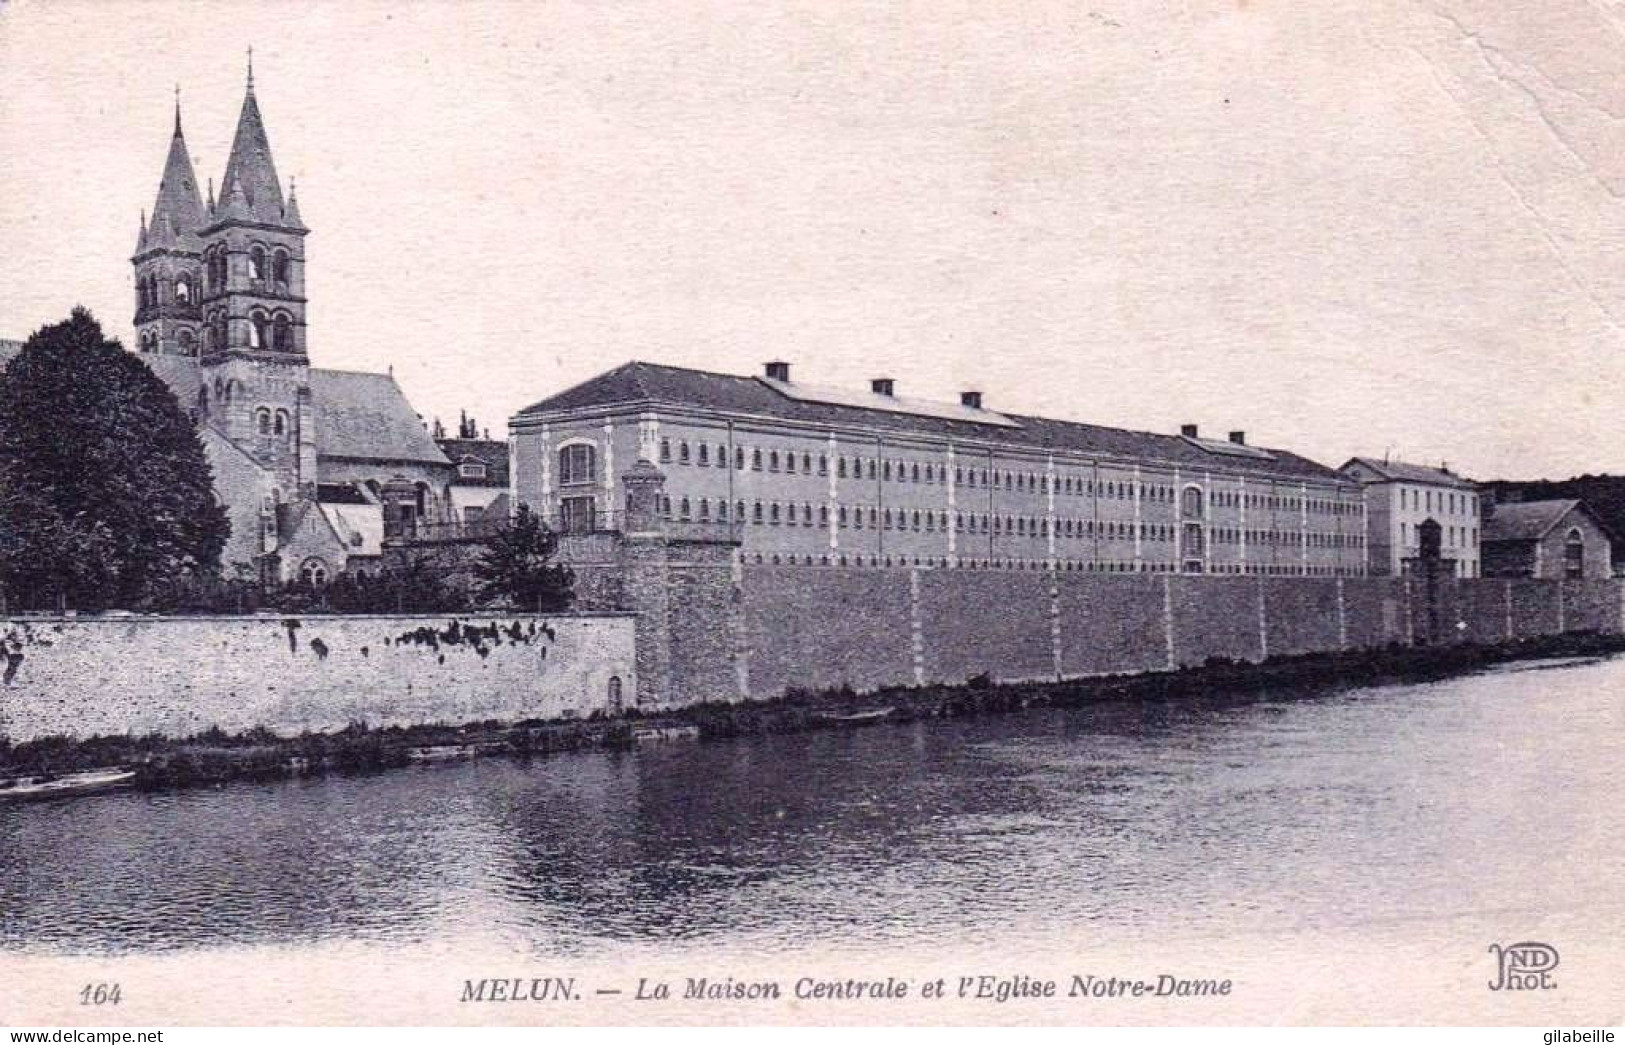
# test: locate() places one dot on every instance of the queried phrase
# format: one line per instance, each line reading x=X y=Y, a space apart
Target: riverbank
x=215 y=757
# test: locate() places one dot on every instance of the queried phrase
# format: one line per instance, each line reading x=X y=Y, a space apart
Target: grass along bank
x=214 y=757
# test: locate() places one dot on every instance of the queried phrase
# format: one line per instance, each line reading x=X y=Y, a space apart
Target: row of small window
x=1060 y=565
x=185 y=342
x=266 y=330
x=1454 y=536
x=1022 y=482
x=928 y=521
x=276 y=267
x=146 y=291
x=1285 y=503
x=273 y=266
x=1289 y=538
x=1448 y=501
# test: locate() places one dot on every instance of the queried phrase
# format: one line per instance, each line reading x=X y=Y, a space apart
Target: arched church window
x=281 y=269
x=281 y=426
x=259 y=331
x=262 y=418
x=282 y=333
x=314 y=572
x=256 y=264
x=183 y=291
x=1574 y=554
x=188 y=342
x=1191 y=502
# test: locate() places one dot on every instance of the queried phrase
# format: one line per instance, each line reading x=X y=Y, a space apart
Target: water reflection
x=1262 y=815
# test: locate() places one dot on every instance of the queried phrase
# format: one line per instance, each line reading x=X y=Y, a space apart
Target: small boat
x=440 y=753
x=859 y=718
x=650 y=734
x=50 y=786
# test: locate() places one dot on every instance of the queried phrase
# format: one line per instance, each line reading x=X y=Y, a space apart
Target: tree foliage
x=105 y=493
x=515 y=567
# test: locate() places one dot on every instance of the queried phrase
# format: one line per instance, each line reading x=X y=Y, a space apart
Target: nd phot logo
x=1524 y=967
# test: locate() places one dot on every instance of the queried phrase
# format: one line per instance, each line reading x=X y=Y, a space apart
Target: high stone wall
x=825 y=627
x=182 y=675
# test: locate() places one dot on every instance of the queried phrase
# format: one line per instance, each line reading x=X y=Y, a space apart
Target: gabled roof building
x=1546 y=539
x=811 y=475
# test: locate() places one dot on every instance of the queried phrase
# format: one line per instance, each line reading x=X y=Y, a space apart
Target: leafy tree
x=106 y=496
x=515 y=567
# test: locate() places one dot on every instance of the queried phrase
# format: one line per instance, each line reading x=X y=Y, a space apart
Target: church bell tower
x=223 y=281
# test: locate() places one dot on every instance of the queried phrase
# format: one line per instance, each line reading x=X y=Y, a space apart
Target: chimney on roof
x=971 y=399
x=883 y=386
x=1188 y=431
x=778 y=371
x=1239 y=438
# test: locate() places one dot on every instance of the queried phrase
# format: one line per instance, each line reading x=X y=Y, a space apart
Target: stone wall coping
x=172 y=618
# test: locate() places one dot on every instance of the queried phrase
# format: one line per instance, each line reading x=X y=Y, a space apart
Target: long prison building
x=812 y=476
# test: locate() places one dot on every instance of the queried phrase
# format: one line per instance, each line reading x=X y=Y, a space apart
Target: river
x=1310 y=847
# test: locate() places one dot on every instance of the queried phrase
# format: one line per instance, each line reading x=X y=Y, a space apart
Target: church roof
x=652 y=384
x=362 y=415
x=181 y=373
x=250 y=168
x=1528 y=520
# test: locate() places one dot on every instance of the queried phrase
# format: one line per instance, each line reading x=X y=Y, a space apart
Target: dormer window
x=472 y=470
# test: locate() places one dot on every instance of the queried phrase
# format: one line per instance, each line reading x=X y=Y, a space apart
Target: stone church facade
x=300 y=454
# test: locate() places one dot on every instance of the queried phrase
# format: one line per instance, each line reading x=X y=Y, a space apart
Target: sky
x=1372 y=227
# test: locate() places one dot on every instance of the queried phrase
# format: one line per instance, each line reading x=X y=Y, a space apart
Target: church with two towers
x=301 y=455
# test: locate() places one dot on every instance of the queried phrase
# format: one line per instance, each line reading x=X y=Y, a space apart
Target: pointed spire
x=250 y=162
x=178 y=207
x=141 y=237
x=250 y=68
x=290 y=213
x=211 y=195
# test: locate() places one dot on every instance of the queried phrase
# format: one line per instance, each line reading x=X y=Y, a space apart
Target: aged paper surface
x=1386 y=231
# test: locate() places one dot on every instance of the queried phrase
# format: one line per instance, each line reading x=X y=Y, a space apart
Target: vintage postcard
x=571 y=513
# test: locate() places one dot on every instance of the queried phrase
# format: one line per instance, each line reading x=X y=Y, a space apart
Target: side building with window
x=479 y=483
x=1400 y=497
x=1547 y=540
x=300 y=454
x=813 y=476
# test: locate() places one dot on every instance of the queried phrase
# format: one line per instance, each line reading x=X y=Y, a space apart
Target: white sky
x=1346 y=227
